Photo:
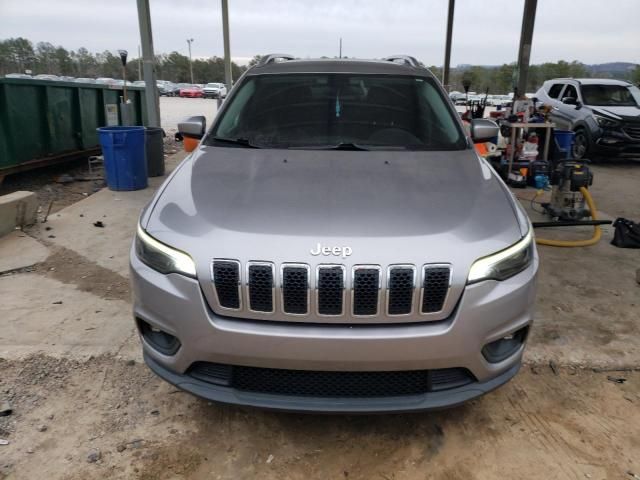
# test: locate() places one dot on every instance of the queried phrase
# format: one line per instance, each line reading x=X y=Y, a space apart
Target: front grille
x=226 y=280
x=400 y=286
x=435 y=286
x=307 y=383
x=633 y=131
x=260 y=287
x=254 y=290
x=366 y=285
x=295 y=289
x=331 y=290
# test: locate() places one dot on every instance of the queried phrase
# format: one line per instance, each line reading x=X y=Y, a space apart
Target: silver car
x=334 y=243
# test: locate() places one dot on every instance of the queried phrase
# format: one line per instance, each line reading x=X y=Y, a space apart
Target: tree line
x=19 y=54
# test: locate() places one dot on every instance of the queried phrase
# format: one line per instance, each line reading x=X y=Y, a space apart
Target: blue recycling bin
x=564 y=139
x=125 y=163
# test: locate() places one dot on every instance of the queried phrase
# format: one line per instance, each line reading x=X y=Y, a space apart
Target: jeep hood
x=388 y=207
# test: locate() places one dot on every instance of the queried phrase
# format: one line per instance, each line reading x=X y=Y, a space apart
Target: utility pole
x=189 y=40
x=228 y=80
x=524 y=51
x=340 y=54
x=447 y=48
x=148 y=64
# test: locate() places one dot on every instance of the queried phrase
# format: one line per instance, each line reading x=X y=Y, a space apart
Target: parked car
x=44 y=76
x=334 y=243
x=192 y=92
x=215 y=90
x=106 y=81
x=139 y=83
x=18 y=75
x=603 y=113
x=167 y=89
x=85 y=80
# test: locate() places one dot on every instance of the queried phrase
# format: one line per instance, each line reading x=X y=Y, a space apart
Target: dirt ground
x=83 y=411
x=569 y=424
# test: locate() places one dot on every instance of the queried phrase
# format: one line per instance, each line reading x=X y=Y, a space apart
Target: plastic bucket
x=155 y=151
x=125 y=163
x=564 y=140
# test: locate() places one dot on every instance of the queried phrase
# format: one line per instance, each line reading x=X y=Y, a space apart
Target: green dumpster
x=43 y=122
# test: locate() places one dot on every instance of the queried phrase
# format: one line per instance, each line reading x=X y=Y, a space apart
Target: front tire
x=581 y=145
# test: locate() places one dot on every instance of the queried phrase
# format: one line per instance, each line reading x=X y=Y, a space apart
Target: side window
x=554 y=91
x=570 y=91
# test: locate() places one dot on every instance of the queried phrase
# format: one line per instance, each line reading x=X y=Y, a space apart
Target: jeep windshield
x=611 y=95
x=338 y=111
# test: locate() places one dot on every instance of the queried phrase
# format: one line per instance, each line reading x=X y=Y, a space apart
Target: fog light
x=162 y=341
x=504 y=347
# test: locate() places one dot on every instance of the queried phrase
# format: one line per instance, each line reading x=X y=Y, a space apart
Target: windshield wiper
x=243 y=142
x=339 y=146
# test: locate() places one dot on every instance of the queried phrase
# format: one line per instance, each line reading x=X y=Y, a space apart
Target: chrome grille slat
x=225 y=275
x=262 y=289
x=365 y=290
x=401 y=282
x=436 y=283
x=330 y=290
x=261 y=286
x=294 y=278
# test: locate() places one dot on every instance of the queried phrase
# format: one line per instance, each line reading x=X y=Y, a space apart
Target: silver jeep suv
x=334 y=243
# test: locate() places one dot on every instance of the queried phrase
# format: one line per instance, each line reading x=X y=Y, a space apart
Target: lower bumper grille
x=304 y=383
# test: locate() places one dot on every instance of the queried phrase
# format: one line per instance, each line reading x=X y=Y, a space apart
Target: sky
x=486 y=32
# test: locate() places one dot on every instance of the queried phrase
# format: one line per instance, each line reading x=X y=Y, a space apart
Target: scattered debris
x=94 y=456
x=58 y=302
x=44 y=220
x=155 y=412
x=4 y=442
x=270 y=458
x=553 y=366
x=42 y=428
x=5 y=409
x=130 y=363
x=121 y=448
x=633 y=475
x=48 y=228
x=64 y=178
x=98 y=224
x=616 y=379
x=30 y=450
x=52 y=236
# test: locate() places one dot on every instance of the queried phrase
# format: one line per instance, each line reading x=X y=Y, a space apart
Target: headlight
x=605 y=122
x=161 y=257
x=504 y=264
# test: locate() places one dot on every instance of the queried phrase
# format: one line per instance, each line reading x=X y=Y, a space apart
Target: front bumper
x=613 y=143
x=486 y=312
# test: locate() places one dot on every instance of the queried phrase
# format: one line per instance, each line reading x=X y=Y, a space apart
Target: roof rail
x=407 y=59
x=272 y=57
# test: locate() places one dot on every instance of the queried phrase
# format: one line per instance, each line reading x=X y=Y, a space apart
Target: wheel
x=581 y=145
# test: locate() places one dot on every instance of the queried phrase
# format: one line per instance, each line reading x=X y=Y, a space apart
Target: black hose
x=571 y=223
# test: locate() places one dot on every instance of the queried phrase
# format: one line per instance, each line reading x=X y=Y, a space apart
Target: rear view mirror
x=483 y=129
x=192 y=129
x=569 y=100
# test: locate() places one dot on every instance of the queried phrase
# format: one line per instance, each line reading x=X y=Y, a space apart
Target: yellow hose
x=578 y=243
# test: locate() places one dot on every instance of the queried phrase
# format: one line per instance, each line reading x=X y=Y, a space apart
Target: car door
x=565 y=114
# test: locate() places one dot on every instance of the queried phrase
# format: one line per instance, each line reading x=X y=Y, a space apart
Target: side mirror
x=569 y=100
x=192 y=129
x=483 y=129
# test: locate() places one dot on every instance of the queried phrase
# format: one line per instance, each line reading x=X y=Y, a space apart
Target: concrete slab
x=33 y=320
x=17 y=209
x=118 y=211
x=19 y=250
